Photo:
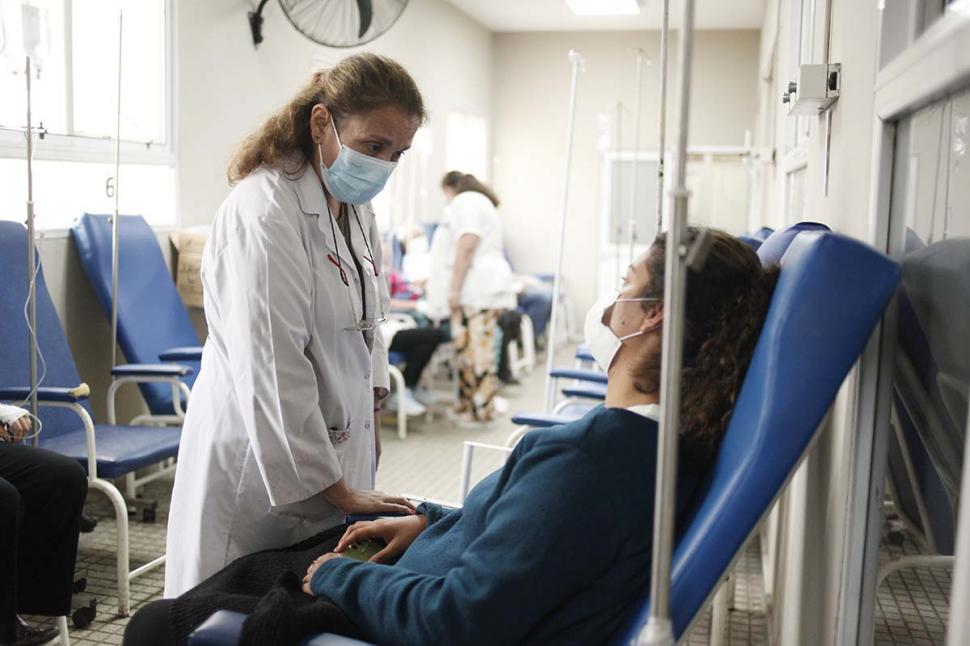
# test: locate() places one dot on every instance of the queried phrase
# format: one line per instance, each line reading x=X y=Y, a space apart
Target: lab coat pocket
x=339 y=434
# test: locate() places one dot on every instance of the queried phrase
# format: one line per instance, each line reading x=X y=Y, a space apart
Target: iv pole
x=578 y=63
x=31 y=259
x=115 y=217
x=618 y=148
x=636 y=153
x=659 y=629
x=664 y=29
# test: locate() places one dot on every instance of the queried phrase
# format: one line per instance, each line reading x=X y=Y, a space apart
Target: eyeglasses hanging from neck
x=363 y=323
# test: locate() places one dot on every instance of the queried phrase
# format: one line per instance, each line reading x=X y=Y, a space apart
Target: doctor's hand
x=454 y=302
x=398 y=533
x=356 y=501
x=320 y=560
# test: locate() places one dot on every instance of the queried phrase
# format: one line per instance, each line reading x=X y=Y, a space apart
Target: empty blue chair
x=107 y=451
x=832 y=292
x=775 y=245
x=153 y=324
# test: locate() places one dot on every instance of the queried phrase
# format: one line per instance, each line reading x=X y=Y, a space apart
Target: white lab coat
x=283 y=405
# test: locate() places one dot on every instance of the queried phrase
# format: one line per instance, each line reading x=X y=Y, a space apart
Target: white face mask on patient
x=602 y=341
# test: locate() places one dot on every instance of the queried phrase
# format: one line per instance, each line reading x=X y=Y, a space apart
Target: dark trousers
x=417 y=345
x=41 y=498
x=511 y=324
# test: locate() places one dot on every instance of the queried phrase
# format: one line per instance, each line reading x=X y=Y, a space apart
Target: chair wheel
x=896 y=538
x=83 y=617
x=80 y=585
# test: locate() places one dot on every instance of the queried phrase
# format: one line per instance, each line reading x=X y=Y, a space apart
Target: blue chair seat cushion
x=120 y=449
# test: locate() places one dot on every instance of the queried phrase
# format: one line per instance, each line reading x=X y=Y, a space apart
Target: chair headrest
x=775 y=245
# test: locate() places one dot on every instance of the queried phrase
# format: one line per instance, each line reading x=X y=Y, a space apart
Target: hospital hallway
x=911 y=607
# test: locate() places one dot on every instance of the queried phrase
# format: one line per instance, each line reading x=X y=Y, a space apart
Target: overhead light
x=604 y=7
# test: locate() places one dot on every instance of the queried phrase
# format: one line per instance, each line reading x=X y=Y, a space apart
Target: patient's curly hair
x=727 y=301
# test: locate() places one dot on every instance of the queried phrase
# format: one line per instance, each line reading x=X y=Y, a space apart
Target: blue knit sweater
x=554 y=548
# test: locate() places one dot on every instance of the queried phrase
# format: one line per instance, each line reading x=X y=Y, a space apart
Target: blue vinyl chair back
x=151 y=315
x=763 y=233
x=773 y=248
x=831 y=293
x=15 y=349
x=751 y=241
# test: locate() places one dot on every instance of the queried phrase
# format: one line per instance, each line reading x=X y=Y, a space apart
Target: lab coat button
x=367 y=425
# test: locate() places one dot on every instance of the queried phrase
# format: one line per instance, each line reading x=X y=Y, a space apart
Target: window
x=406 y=201
x=467 y=144
x=801 y=50
x=73 y=46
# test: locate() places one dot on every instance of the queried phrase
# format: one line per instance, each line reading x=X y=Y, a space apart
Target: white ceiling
x=554 y=15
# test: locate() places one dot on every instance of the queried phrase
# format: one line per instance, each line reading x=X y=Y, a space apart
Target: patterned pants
x=473 y=335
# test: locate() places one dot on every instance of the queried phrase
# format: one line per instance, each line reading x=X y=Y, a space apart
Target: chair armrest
x=150 y=370
x=541 y=420
x=46 y=394
x=224 y=628
x=593 y=391
x=594 y=376
x=182 y=354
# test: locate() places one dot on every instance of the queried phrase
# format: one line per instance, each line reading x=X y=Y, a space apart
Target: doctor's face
x=384 y=133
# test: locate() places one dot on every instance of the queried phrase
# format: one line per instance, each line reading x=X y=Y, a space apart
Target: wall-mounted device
x=814 y=90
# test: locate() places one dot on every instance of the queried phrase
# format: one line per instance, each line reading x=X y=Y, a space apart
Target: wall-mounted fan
x=335 y=23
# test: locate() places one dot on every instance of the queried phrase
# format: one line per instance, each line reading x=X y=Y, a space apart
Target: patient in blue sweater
x=555 y=548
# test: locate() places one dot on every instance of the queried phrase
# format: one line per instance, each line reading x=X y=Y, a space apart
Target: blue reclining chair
x=832 y=292
x=107 y=451
x=153 y=324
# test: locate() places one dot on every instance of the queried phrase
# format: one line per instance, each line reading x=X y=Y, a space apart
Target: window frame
x=71 y=147
x=932 y=67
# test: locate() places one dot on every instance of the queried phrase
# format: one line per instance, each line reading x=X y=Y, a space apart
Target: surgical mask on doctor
x=602 y=341
x=354 y=177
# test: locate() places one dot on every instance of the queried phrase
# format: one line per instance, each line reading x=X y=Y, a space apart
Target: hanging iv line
x=111 y=190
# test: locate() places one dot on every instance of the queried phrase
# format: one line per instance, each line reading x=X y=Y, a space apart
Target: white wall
x=808 y=585
x=226 y=88
x=532 y=77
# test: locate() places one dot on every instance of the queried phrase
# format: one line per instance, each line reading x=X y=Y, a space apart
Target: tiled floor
x=912 y=606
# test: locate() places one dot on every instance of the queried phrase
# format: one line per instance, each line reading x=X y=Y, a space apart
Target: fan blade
x=366 y=8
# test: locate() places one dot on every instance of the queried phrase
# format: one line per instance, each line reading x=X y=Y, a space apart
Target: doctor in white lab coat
x=280 y=440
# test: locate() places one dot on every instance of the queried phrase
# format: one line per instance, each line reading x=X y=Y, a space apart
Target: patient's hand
x=398 y=533
x=320 y=560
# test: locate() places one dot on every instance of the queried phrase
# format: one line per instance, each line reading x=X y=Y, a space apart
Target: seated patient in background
x=554 y=548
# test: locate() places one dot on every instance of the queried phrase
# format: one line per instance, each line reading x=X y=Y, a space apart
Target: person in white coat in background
x=480 y=289
x=281 y=438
